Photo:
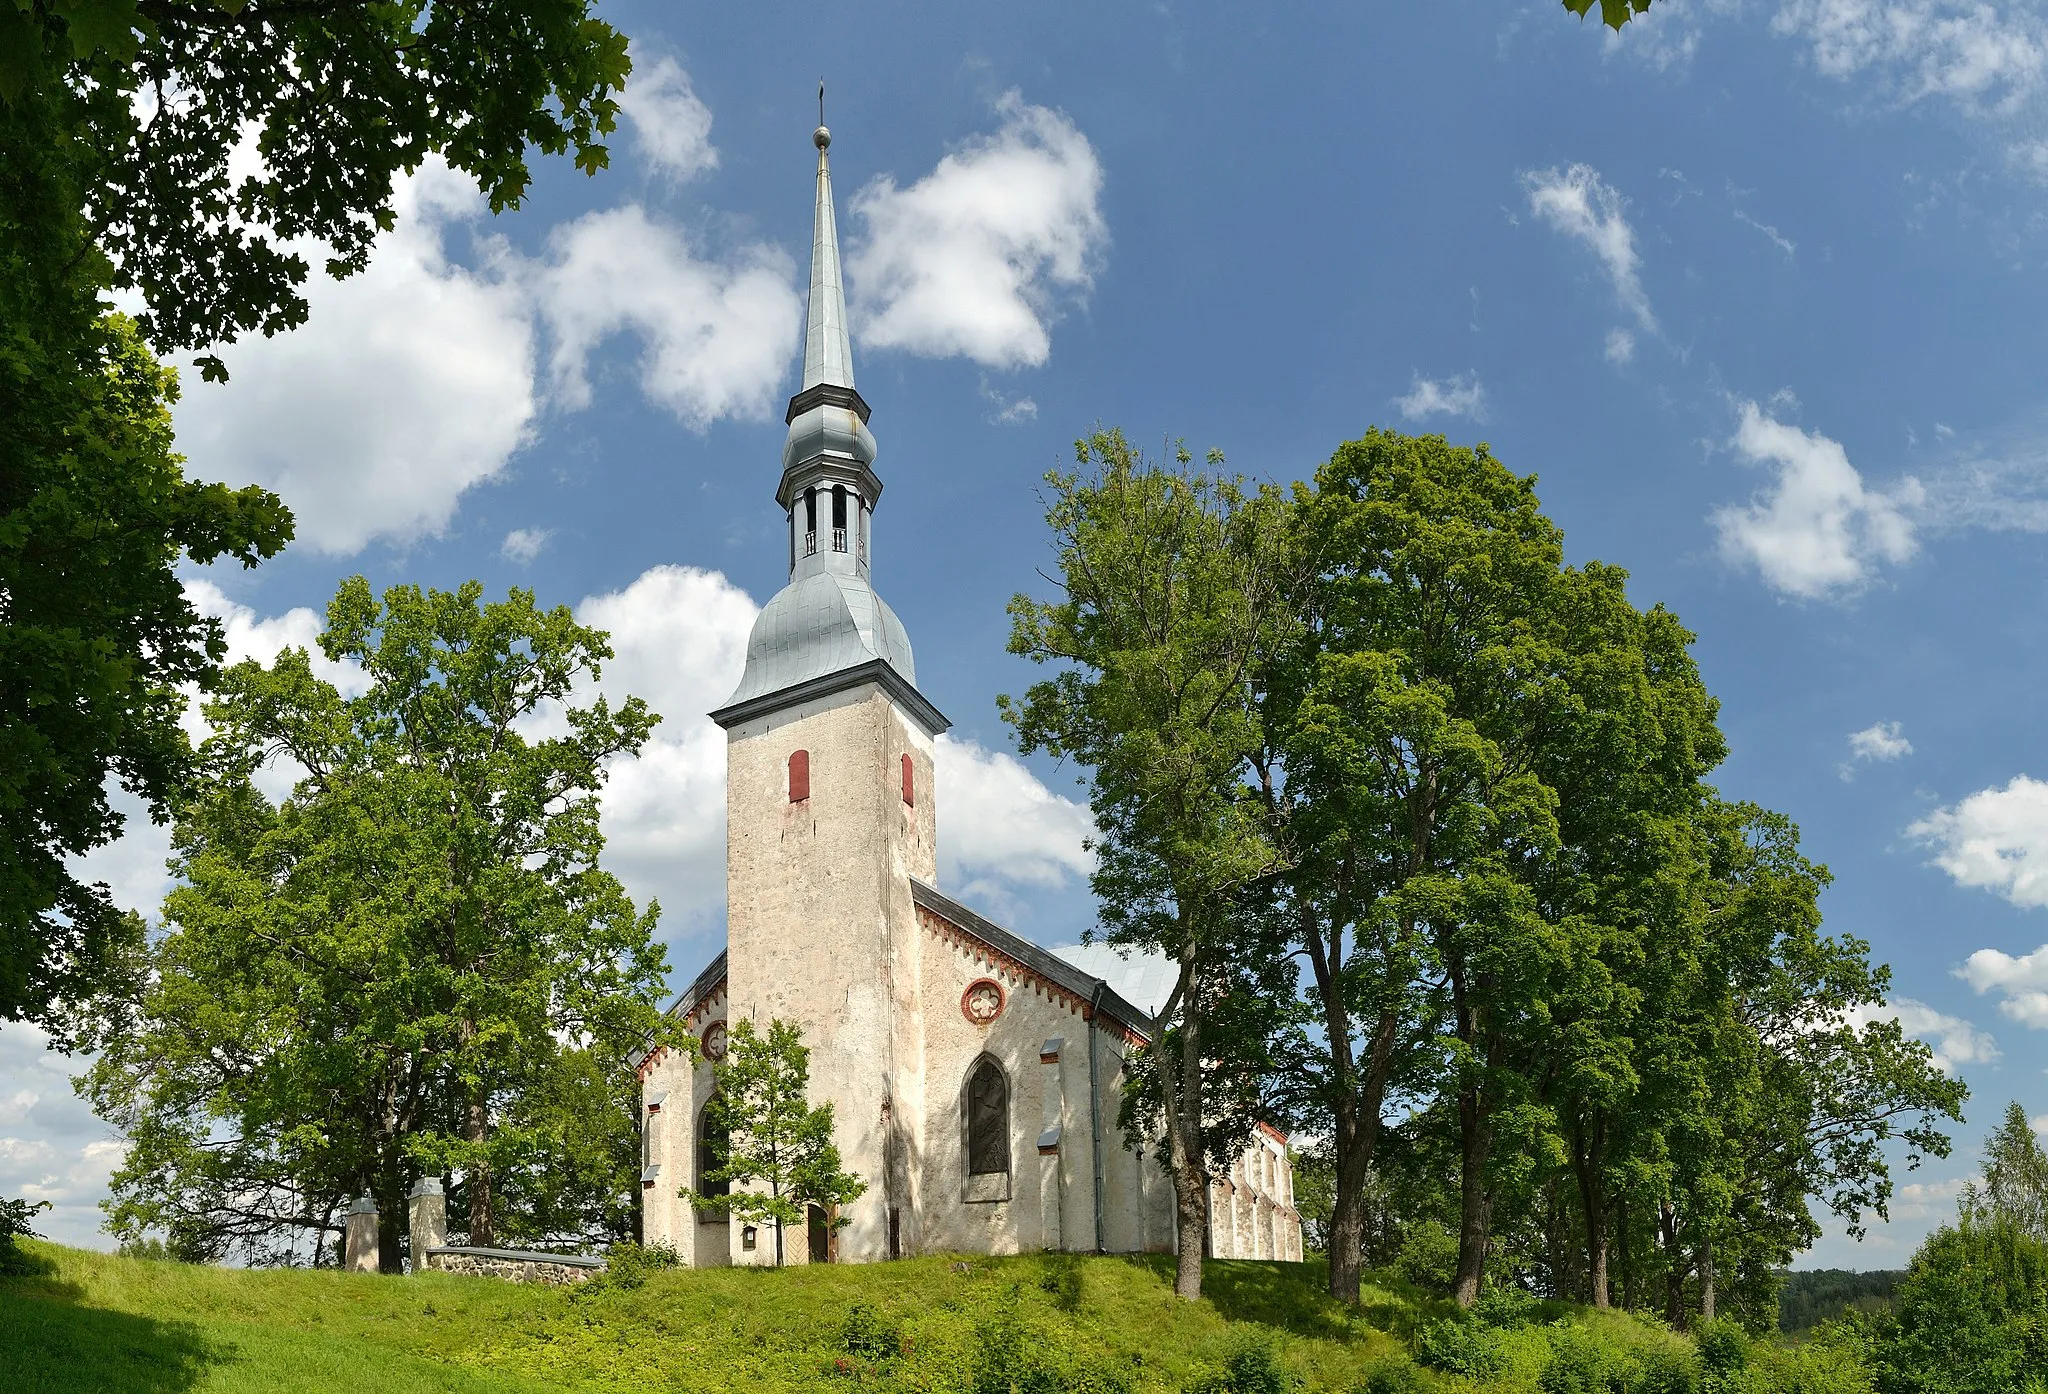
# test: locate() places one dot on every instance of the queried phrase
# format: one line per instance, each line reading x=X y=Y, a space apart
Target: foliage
x=869 y=1334
x=773 y=1135
x=1250 y=1367
x=410 y=966
x=1394 y=1375
x=2016 y=1175
x=1814 y=1295
x=1613 y=13
x=1971 y=1314
x=16 y=1223
x=1171 y=587
x=1461 y=1346
x=151 y=102
x=627 y=1266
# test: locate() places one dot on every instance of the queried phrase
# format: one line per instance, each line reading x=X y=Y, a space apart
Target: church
x=975 y=1077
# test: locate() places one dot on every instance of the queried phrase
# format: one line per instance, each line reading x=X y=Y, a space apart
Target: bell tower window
x=810 y=522
x=838 y=517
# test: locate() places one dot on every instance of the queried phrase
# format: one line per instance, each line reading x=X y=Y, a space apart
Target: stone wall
x=514 y=1265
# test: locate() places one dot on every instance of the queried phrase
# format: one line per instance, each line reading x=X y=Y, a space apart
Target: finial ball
x=821 y=138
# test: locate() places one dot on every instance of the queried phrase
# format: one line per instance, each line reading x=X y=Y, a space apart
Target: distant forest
x=1810 y=1298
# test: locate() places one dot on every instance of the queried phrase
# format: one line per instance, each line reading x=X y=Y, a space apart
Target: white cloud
x=1621 y=345
x=1883 y=741
x=409 y=384
x=679 y=640
x=997 y=820
x=1984 y=58
x=974 y=258
x=717 y=336
x=1995 y=840
x=1816 y=531
x=51 y=1147
x=672 y=126
x=2022 y=982
x=1778 y=239
x=1006 y=410
x=1580 y=204
x=522 y=545
x=1956 y=1042
x=1458 y=396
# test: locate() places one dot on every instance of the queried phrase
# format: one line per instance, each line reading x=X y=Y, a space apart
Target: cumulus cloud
x=2022 y=982
x=522 y=545
x=1462 y=395
x=717 y=336
x=1882 y=742
x=1816 y=530
x=975 y=258
x=997 y=820
x=671 y=126
x=1994 y=840
x=52 y=1148
x=408 y=385
x=1577 y=202
x=1956 y=1042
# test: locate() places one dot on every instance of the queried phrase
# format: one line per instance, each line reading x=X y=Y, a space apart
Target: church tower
x=829 y=794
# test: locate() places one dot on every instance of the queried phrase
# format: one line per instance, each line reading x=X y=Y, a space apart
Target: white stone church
x=975 y=1078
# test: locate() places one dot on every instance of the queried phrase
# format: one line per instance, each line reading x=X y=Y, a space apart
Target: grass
x=111 y=1325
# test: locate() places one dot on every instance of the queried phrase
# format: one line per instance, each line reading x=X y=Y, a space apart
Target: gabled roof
x=1051 y=967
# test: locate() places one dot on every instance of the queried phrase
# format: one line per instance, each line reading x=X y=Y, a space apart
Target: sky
x=1755 y=289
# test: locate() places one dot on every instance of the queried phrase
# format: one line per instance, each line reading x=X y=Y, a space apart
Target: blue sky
x=1756 y=289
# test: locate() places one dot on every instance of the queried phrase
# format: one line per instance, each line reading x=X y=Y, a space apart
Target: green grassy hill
x=112 y=1325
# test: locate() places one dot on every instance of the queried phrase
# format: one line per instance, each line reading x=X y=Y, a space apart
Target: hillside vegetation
x=114 y=1325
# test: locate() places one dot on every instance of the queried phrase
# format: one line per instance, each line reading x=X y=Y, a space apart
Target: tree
x=120 y=124
x=772 y=1135
x=411 y=965
x=1171 y=587
x=1970 y=1316
x=2016 y=1174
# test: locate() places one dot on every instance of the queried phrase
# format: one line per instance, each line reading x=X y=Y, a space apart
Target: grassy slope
x=126 y=1326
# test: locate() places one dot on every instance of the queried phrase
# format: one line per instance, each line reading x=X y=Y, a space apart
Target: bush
x=1428 y=1256
x=1251 y=1367
x=16 y=1217
x=1394 y=1375
x=1461 y=1346
x=868 y=1334
x=1506 y=1306
x=1587 y=1362
x=1724 y=1354
x=626 y=1267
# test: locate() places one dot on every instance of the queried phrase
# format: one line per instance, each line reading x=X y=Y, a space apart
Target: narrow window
x=712 y=1144
x=909 y=789
x=988 y=1121
x=838 y=517
x=810 y=522
x=799 y=776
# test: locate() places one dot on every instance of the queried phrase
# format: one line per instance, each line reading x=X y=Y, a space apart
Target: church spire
x=828 y=354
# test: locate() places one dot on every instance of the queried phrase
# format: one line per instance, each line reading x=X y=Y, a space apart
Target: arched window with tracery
x=712 y=1143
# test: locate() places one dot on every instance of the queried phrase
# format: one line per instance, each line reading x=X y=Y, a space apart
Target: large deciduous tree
x=1172 y=585
x=409 y=965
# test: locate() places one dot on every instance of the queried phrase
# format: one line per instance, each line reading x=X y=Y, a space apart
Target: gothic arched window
x=988 y=1120
x=712 y=1141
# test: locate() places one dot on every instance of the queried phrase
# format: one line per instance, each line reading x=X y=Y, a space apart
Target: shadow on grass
x=1288 y=1297
x=51 y=1345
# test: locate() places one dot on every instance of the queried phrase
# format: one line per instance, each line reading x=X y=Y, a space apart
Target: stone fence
x=517 y=1265
x=427 y=1223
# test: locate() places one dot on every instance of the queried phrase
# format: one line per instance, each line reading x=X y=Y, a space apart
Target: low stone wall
x=513 y=1265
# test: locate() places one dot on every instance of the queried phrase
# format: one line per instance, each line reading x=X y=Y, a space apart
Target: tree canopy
x=409 y=965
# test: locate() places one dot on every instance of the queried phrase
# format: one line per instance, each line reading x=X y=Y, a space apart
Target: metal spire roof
x=828 y=353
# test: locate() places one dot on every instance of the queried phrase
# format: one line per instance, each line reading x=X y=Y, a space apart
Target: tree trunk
x=1357 y=1137
x=1621 y=1234
x=475 y=1127
x=1180 y=1091
x=1706 y=1280
x=1475 y=1198
x=1586 y=1160
x=1674 y=1267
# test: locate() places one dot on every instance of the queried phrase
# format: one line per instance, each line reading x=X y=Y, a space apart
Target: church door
x=821 y=1240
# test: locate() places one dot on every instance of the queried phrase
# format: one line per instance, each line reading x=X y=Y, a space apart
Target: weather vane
x=821 y=101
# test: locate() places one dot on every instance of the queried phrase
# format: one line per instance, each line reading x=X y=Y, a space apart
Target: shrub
x=1587 y=1362
x=1428 y=1256
x=1394 y=1375
x=1668 y=1370
x=1506 y=1306
x=1461 y=1346
x=868 y=1334
x=1251 y=1367
x=1724 y=1354
x=16 y=1217
x=626 y=1267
